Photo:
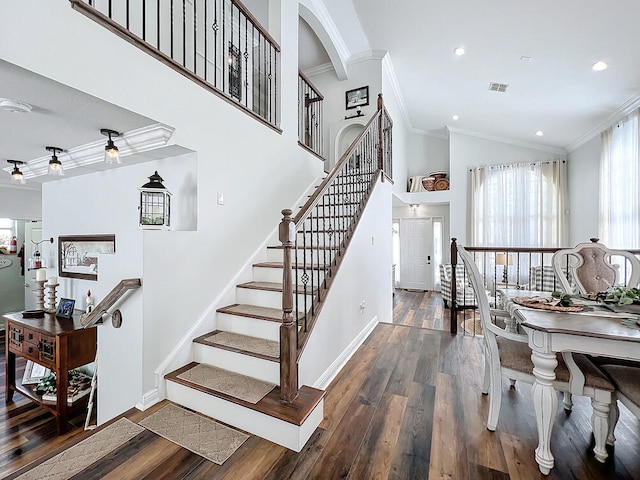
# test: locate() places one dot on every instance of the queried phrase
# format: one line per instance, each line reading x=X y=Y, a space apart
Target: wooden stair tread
x=253 y=311
x=243 y=344
x=270 y=286
x=295 y=412
x=280 y=265
x=306 y=247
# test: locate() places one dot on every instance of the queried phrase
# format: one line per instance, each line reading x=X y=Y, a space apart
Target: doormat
x=194 y=432
x=245 y=388
x=74 y=459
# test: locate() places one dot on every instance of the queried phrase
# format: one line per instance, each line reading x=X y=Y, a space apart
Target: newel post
x=380 y=134
x=288 y=329
x=453 y=328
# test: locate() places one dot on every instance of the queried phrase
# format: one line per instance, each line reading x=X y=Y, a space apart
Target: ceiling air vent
x=498 y=87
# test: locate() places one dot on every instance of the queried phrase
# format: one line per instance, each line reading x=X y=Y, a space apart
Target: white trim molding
x=149 y=399
x=134 y=142
x=509 y=141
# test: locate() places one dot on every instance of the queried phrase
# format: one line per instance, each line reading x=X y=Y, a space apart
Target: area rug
x=78 y=457
x=260 y=346
x=245 y=388
x=194 y=432
x=473 y=325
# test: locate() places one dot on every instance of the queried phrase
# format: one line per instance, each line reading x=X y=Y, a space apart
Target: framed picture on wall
x=78 y=255
x=357 y=97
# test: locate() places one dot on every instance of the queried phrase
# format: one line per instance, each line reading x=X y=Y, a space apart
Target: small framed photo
x=33 y=372
x=65 y=308
x=358 y=97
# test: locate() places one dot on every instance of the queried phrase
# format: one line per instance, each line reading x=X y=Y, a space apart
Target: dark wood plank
x=406 y=406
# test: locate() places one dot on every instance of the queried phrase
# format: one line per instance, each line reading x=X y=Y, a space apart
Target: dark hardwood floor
x=406 y=406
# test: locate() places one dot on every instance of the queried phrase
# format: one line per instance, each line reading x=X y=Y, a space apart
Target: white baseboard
x=330 y=373
x=149 y=399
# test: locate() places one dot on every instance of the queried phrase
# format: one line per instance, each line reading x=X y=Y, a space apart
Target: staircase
x=246 y=343
x=259 y=339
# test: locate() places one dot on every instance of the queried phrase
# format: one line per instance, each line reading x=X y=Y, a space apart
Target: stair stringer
x=364 y=276
x=183 y=352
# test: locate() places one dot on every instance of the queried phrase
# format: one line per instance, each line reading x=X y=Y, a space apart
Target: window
x=518 y=205
x=6 y=232
x=619 y=221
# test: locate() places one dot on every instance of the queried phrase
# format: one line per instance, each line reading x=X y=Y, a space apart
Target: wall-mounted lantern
x=155 y=204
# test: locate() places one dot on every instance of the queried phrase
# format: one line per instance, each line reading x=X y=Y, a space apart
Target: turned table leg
x=545 y=403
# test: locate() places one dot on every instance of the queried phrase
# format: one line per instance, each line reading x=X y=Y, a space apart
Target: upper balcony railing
x=217 y=43
x=310 y=120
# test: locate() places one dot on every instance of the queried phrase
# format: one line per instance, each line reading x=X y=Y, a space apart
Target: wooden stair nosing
x=280 y=265
x=295 y=412
x=201 y=341
x=272 y=287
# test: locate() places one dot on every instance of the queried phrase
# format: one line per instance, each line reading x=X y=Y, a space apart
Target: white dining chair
x=593 y=269
x=508 y=355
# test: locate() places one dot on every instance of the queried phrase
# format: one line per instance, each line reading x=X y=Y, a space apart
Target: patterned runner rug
x=194 y=432
x=71 y=461
x=245 y=388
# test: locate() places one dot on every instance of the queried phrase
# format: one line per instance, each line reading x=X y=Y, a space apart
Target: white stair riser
x=237 y=362
x=253 y=327
x=268 y=274
x=266 y=298
x=265 y=426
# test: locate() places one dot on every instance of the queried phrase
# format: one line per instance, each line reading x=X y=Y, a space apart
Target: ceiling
x=61 y=117
x=554 y=90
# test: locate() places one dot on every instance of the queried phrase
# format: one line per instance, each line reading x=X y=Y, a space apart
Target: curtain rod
x=546 y=162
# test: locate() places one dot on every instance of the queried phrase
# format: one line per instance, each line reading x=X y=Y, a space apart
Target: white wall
x=427 y=154
x=584 y=178
x=364 y=73
x=364 y=276
x=182 y=271
x=20 y=203
x=471 y=151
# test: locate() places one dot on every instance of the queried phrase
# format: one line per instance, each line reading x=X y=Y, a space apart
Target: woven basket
x=429 y=183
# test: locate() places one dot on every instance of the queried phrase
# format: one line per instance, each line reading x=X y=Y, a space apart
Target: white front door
x=416 y=252
x=32 y=233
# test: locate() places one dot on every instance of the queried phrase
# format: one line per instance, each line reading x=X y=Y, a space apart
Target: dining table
x=598 y=330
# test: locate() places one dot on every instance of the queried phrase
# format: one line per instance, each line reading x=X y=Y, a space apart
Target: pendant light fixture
x=17 y=176
x=111 y=154
x=55 y=165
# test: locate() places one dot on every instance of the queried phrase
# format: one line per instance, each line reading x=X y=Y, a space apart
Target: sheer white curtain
x=518 y=205
x=620 y=185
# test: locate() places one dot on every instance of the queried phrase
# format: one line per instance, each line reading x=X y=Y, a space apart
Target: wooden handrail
x=327 y=222
x=107 y=302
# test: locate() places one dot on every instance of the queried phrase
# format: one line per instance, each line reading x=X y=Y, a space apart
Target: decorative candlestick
x=51 y=296
x=39 y=291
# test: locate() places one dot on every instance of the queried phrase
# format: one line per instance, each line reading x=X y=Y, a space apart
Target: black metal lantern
x=155 y=204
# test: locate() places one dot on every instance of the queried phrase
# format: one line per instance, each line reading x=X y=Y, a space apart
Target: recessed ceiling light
x=459 y=51
x=455 y=117
x=14 y=106
x=539 y=133
x=524 y=58
x=599 y=66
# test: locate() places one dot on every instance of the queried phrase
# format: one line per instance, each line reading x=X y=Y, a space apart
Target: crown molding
x=367 y=55
x=624 y=110
x=387 y=67
x=319 y=69
x=509 y=141
x=134 y=142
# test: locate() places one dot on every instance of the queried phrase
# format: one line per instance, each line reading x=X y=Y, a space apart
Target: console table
x=59 y=344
